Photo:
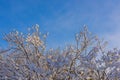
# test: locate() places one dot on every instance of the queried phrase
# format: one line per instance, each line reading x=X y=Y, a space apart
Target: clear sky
x=62 y=18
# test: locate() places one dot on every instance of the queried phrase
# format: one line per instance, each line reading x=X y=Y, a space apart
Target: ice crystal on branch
x=27 y=58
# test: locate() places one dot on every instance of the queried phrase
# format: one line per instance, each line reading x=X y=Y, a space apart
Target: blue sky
x=62 y=18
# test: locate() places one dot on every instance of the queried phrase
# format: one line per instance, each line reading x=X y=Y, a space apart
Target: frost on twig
x=28 y=59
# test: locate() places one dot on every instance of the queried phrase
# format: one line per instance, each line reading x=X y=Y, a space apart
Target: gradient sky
x=62 y=18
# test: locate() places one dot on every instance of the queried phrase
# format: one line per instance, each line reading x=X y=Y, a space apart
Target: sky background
x=62 y=18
